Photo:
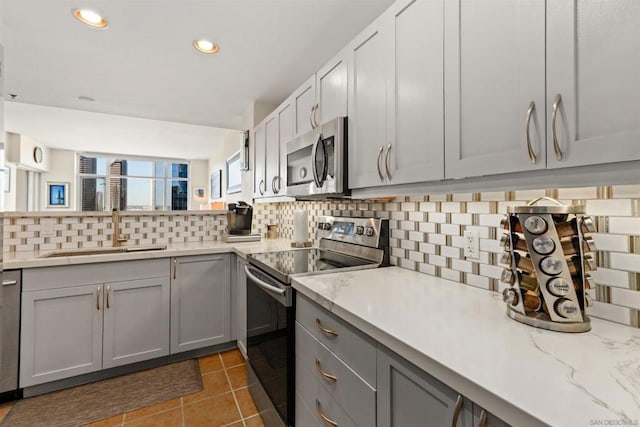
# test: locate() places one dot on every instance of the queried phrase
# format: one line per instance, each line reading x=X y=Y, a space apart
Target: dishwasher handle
x=264 y=285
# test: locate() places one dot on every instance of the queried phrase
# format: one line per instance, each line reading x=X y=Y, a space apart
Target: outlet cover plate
x=471 y=245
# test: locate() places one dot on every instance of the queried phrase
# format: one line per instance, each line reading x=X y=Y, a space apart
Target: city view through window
x=108 y=182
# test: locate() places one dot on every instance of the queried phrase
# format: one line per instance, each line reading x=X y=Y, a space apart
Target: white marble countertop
x=462 y=336
x=32 y=259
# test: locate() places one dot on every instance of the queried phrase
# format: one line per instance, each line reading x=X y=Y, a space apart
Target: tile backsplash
x=426 y=236
x=38 y=232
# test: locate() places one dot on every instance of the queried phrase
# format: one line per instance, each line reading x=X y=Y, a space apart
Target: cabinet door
x=367 y=111
x=304 y=99
x=272 y=155
x=61 y=333
x=415 y=99
x=407 y=397
x=483 y=418
x=200 y=302
x=259 y=161
x=331 y=82
x=285 y=131
x=593 y=79
x=494 y=63
x=136 y=321
x=241 y=305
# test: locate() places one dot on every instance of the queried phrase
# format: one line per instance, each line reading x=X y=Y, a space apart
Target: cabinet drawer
x=35 y=279
x=354 y=348
x=351 y=391
x=312 y=394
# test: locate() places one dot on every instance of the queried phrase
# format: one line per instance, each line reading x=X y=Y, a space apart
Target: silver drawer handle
x=379 y=168
x=483 y=419
x=328 y=421
x=108 y=292
x=530 y=111
x=98 y=292
x=324 y=374
x=456 y=411
x=325 y=330
x=554 y=133
x=9 y=282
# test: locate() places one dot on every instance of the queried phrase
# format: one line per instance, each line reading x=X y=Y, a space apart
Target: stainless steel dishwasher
x=9 y=333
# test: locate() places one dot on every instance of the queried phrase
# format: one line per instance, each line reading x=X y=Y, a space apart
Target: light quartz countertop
x=462 y=336
x=33 y=259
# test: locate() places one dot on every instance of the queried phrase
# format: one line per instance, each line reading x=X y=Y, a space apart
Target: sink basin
x=102 y=251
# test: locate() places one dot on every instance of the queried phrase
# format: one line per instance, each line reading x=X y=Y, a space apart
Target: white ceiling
x=143 y=65
x=113 y=134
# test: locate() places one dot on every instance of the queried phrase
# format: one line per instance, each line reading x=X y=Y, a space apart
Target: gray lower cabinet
x=61 y=333
x=136 y=321
x=200 y=301
x=75 y=322
x=241 y=305
x=408 y=397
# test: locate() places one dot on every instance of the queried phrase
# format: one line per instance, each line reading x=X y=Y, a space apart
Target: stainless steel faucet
x=117 y=238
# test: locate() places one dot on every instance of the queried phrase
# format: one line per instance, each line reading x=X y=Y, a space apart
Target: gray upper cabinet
x=136 y=320
x=415 y=100
x=494 y=86
x=593 y=82
x=61 y=334
x=409 y=397
x=259 y=153
x=272 y=154
x=304 y=101
x=285 y=134
x=200 y=302
x=367 y=56
x=331 y=88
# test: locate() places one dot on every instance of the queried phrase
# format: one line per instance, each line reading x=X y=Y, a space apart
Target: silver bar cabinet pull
x=457 y=410
x=325 y=330
x=314 y=116
x=483 y=419
x=386 y=162
x=311 y=114
x=554 y=132
x=175 y=268
x=98 y=292
x=379 y=169
x=325 y=374
x=328 y=421
x=108 y=290
x=530 y=111
x=9 y=282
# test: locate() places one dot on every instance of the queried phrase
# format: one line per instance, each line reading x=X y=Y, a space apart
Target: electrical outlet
x=47 y=227
x=471 y=244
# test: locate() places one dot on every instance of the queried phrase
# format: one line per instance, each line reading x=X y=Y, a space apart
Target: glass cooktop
x=303 y=261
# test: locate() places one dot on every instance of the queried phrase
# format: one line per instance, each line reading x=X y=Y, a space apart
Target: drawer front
x=349 y=390
x=353 y=347
x=312 y=394
x=35 y=279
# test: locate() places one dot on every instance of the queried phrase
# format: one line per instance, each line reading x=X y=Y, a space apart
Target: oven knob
x=360 y=230
x=321 y=226
x=369 y=231
x=326 y=226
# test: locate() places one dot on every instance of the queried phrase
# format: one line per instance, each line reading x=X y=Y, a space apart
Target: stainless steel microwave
x=317 y=162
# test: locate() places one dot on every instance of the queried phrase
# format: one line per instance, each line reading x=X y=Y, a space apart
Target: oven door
x=270 y=347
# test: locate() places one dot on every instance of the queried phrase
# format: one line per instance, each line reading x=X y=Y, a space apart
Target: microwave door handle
x=314 y=169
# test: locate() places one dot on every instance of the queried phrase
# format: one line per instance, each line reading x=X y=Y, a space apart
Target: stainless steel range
x=344 y=244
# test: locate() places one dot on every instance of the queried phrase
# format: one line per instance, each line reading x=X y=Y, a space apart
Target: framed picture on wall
x=216 y=184
x=57 y=194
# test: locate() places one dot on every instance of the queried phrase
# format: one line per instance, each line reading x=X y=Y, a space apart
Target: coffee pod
x=566 y=308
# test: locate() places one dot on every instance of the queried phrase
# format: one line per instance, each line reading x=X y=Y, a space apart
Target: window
x=108 y=182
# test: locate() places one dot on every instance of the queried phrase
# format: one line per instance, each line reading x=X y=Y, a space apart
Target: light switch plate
x=471 y=244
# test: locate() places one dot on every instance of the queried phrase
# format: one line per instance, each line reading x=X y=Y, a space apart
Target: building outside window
x=126 y=183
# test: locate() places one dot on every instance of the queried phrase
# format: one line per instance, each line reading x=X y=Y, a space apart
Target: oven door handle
x=264 y=285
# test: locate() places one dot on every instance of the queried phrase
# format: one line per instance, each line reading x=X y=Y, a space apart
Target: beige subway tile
x=442 y=197
x=407 y=263
x=437 y=239
x=429 y=207
x=491 y=245
x=448 y=274
x=451 y=207
x=478 y=281
x=492 y=196
x=437 y=260
x=626 y=191
x=427 y=248
x=610 y=312
x=409 y=244
x=491 y=271
x=428 y=269
x=526 y=195
x=479 y=207
x=462 y=265
x=416 y=236
x=450 y=252
x=416 y=256
x=462 y=218
x=427 y=227
x=399 y=234
x=612 y=207
x=628 y=262
x=624 y=226
x=580 y=193
x=417 y=216
x=462 y=197
x=611 y=242
x=438 y=217
x=450 y=229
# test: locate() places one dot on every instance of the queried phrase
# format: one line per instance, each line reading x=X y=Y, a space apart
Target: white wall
x=20 y=148
x=199 y=176
x=63 y=167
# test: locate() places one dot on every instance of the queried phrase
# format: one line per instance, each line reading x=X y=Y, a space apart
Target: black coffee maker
x=239 y=218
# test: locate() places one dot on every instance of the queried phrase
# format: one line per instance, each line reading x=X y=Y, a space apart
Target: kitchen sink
x=102 y=251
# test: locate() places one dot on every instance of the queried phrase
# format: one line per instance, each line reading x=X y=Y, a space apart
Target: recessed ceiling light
x=205 y=46
x=90 y=18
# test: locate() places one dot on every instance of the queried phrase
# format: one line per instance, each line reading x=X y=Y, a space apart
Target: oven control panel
x=372 y=232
